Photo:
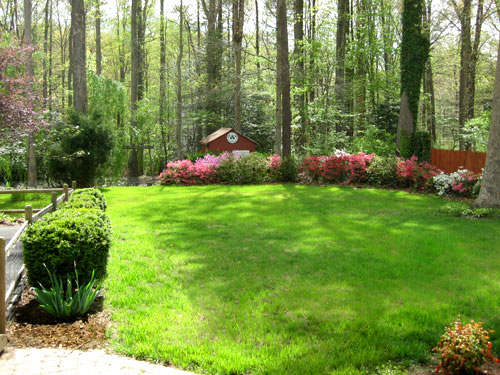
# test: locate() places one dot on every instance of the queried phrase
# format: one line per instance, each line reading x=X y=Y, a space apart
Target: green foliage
x=421 y=145
x=373 y=140
x=326 y=144
x=461 y=210
x=12 y=160
x=390 y=369
x=65 y=237
x=80 y=147
x=69 y=303
x=405 y=146
x=382 y=171
x=476 y=132
x=5 y=219
x=386 y=117
x=106 y=95
x=414 y=52
x=288 y=169
x=91 y=194
x=463 y=348
x=248 y=169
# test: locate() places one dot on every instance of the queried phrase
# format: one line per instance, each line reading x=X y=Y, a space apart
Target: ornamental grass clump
x=464 y=348
x=66 y=302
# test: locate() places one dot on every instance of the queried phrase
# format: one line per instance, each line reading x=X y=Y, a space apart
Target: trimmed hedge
x=90 y=194
x=79 y=233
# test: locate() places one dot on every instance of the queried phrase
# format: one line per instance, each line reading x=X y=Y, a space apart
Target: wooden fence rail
x=11 y=254
x=451 y=160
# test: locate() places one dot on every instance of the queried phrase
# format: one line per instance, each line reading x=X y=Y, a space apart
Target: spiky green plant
x=66 y=303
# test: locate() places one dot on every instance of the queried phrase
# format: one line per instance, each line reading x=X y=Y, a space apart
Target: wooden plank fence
x=11 y=254
x=451 y=160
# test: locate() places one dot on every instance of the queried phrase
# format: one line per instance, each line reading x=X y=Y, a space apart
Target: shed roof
x=219 y=133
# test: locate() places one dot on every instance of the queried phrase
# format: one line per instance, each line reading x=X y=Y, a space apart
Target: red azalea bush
x=338 y=168
x=411 y=173
x=334 y=169
x=311 y=168
x=464 y=348
x=465 y=182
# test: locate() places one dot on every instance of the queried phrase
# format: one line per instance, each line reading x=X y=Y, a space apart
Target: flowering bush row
x=339 y=168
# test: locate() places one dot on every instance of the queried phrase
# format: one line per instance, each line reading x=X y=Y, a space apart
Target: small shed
x=227 y=139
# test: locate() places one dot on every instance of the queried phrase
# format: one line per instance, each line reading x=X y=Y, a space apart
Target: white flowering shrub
x=443 y=183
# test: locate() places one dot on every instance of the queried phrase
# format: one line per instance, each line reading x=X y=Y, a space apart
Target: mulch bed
x=31 y=326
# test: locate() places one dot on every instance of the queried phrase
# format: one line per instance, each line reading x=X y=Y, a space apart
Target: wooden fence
x=11 y=253
x=450 y=160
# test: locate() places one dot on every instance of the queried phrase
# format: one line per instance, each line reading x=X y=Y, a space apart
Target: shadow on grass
x=314 y=279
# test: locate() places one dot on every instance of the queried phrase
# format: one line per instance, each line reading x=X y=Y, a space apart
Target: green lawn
x=289 y=279
x=18 y=201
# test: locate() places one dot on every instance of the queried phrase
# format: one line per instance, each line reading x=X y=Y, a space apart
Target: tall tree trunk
x=414 y=54
x=238 y=21
x=31 y=178
x=298 y=56
x=466 y=103
x=51 y=31
x=70 y=70
x=429 y=107
x=257 y=38
x=342 y=33
x=98 y=54
x=133 y=168
x=79 y=56
x=178 y=132
x=45 y=50
x=163 y=65
x=284 y=76
x=277 y=128
x=489 y=195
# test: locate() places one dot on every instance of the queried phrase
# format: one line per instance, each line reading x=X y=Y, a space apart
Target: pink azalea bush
x=274 y=166
x=411 y=173
x=202 y=172
x=465 y=182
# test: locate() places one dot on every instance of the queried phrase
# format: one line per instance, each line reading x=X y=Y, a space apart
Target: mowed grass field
x=290 y=279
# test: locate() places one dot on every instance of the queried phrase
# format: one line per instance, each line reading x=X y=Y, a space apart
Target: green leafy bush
x=64 y=237
x=374 y=140
x=382 y=171
x=79 y=147
x=421 y=145
x=463 y=348
x=461 y=210
x=94 y=195
x=70 y=302
x=248 y=169
x=288 y=170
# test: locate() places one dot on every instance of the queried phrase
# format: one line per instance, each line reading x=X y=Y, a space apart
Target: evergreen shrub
x=89 y=194
x=66 y=237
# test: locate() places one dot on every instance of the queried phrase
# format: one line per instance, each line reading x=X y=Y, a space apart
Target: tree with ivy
x=414 y=52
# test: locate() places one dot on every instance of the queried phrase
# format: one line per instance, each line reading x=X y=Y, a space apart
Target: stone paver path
x=76 y=362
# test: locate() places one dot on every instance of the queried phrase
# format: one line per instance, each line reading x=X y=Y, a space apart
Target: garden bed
x=31 y=326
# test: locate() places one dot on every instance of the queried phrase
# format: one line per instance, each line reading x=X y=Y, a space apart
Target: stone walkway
x=76 y=362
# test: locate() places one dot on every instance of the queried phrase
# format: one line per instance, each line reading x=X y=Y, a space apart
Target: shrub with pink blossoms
x=411 y=173
x=274 y=166
x=464 y=183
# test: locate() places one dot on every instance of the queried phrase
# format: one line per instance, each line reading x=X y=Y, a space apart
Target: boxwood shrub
x=66 y=237
x=90 y=194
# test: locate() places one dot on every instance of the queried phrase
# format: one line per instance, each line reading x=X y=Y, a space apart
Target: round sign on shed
x=227 y=139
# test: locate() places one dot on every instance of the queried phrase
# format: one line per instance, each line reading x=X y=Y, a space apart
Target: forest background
x=167 y=75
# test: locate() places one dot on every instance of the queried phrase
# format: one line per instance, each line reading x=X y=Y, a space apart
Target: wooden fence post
x=28 y=213
x=3 y=339
x=53 y=198
x=66 y=192
x=73 y=185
